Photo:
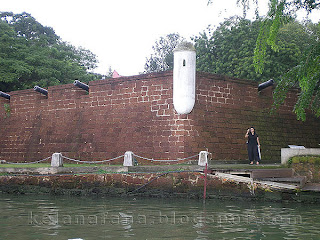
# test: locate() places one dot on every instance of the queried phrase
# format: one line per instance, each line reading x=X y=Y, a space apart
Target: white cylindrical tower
x=184 y=77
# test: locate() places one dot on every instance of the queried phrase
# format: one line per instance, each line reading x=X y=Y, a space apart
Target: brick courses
x=136 y=114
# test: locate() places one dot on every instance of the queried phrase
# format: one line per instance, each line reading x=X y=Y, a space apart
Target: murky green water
x=62 y=217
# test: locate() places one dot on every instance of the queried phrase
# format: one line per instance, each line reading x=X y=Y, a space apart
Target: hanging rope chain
x=112 y=159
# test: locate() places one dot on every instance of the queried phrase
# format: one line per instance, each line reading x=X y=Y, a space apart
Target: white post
x=56 y=160
x=203 y=158
x=128 y=159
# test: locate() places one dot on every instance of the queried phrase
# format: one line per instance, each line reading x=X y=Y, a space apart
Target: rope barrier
x=176 y=160
x=42 y=160
x=112 y=159
x=107 y=160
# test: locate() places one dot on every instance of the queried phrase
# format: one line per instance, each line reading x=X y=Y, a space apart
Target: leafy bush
x=304 y=160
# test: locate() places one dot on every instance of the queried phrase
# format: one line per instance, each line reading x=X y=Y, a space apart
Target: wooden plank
x=240 y=179
x=272 y=173
x=276 y=185
x=234 y=177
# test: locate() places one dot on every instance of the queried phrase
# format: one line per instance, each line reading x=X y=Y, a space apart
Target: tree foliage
x=306 y=74
x=32 y=54
x=228 y=50
x=162 y=57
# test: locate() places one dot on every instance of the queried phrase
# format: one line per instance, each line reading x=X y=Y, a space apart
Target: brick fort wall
x=136 y=114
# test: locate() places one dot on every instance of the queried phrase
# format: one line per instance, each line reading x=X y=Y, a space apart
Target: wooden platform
x=273 y=185
x=279 y=178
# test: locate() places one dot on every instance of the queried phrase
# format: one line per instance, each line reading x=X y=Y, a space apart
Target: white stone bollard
x=203 y=158
x=56 y=160
x=128 y=159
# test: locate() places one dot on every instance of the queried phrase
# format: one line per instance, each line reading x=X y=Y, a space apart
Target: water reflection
x=45 y=217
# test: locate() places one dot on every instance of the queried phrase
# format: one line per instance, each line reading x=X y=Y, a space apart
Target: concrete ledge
x=287 y=153
x=63 y=170
x=96 y=169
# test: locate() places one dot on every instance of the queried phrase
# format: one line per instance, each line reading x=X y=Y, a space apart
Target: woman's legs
x=250 y=154
x=253 y=154
x=256 y=154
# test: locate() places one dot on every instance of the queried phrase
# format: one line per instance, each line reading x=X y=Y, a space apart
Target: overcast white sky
x=122 y=32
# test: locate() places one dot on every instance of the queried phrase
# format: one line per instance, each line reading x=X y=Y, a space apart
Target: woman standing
x=253 y=144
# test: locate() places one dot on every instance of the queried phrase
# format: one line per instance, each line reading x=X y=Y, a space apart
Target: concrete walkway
x=243 y=166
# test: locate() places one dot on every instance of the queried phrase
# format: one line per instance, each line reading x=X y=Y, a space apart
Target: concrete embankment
x=152 y=181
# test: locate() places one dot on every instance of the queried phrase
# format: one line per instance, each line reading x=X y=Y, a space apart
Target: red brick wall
x=136 y=114
x=227 y=107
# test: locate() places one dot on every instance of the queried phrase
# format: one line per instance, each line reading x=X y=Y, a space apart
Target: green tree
x=306 y=74
x=162 y=57
x=31 y=54
x=109 y=73
x=228 y=50
x=306 y=77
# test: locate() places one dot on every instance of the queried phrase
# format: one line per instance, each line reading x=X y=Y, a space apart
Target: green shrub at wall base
x=306 y=159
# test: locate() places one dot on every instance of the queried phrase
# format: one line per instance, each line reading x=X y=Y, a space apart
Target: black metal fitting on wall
x=265 y=85
x=81 y=85
x=41 y=90
x=5 y=95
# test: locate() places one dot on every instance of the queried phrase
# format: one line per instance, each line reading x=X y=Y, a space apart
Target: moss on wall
x=308 y=166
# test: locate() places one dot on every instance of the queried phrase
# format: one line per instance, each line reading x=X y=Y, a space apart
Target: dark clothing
x=252 y=139
x=253 y=147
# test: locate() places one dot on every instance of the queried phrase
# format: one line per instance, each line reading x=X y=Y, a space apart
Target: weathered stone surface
x=203 y=158
x=184 y=184
x=128 y=159
x=56 y=160
x=136 y=113
x=311 y=171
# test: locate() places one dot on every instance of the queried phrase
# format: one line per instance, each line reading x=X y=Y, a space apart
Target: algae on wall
x=308 y=166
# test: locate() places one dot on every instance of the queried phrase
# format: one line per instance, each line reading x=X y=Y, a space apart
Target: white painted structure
x=184 y=78
x=287 y=153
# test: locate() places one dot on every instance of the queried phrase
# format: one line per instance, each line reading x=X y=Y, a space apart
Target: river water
x=64 y=217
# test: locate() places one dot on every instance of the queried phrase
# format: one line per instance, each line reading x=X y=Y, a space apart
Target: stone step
x=314 y=187
x=272 y=173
